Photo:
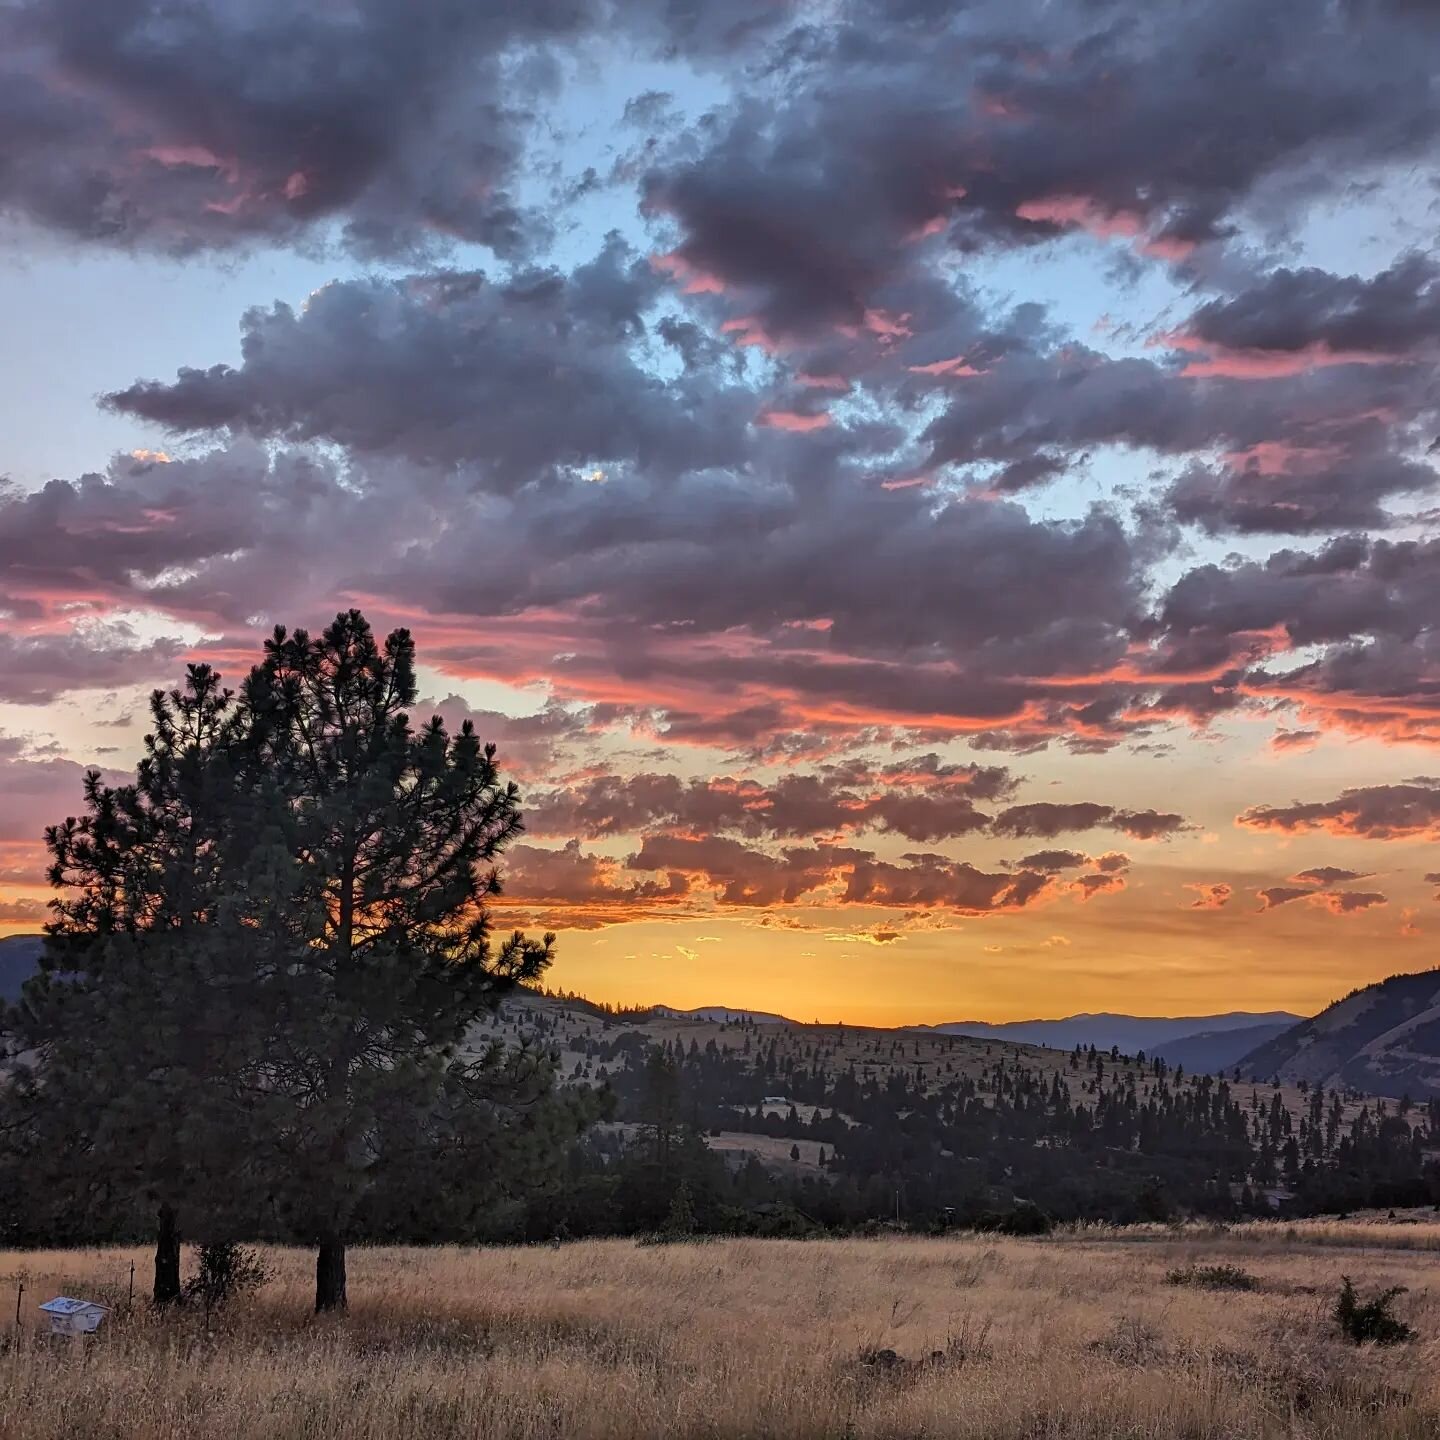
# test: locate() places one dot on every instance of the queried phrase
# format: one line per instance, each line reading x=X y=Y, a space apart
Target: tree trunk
x=167 y=1257
x=330 y=1275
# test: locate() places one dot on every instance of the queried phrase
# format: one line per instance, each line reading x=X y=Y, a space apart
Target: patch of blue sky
x=80 y=322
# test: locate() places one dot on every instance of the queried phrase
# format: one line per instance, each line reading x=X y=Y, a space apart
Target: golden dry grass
x=1072 y=1336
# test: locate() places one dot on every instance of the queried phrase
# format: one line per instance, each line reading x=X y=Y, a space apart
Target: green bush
x=227 y=1270
x=1212 y=1277
x=1372 y=1320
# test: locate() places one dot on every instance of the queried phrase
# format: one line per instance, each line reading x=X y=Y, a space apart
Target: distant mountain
x=1104 y=1031
x=722 y=1014
x=19 y=959
x=1212 y=1052
x=1384 y=1039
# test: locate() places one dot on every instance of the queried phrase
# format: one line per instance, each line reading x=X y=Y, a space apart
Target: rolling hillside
x=1214 y=1052
x=1384 y=1039
x=586 y=1038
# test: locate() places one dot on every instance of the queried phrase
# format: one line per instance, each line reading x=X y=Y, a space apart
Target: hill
x=1105 y=1031
x=19 y=956
x=844 y=1117
x=1384 y=1039
x=1219 y=1051
x=725 y=1013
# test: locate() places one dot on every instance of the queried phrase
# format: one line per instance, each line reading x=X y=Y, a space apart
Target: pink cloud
x=792 y=420
x=1261 y=364
x=692 y=280
x=957 y=365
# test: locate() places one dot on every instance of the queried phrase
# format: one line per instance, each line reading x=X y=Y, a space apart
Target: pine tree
x=377 y=937
x=680 y=1220
x=140 y=1030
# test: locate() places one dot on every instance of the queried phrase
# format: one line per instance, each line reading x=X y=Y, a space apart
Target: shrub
x=1212 y=1277
x=226 y=1271
x=680 y=1220
x=1023 y=1219
x=1372 y=1320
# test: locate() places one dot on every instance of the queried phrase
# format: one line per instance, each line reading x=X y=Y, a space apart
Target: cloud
x=681 y=874
x=1373 y=812
x=1210 y=894
x=24 y=912
x=873 y=141
x=1274 y=896
x=1046 y=819
x=1337 y=902
x=1328 y=875
x=1348 y=902
x=1312 y=313
x=571 y=876
x=935 y=882
x=1291 y=740
x=129 y=128
x=39 y=790
x=512 y=381
x=1052 y=861
x=1364 y=609
x=713 y=599
x=1100 y=883
x=209 y=125
x=922 y=800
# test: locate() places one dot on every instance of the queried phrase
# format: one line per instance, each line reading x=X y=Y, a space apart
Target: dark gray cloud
x=511 y=380
x=926 y=802
x=1006 y=123
x=1337 y=902
x=1393 y=313
x=1045 y=819
x=37 y=669
x=714 y=595
x=201 y=124
x=1327 y=875
x=1367 y=609
x=1290 y=453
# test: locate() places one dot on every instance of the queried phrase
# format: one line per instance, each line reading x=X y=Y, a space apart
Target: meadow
x=1075 y=1335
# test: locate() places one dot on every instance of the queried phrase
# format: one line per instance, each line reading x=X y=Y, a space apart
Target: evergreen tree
x=376 y=936
x=681 y=1217
x=140 y=1034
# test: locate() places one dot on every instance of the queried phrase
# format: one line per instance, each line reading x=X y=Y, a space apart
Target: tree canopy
x=268 y=949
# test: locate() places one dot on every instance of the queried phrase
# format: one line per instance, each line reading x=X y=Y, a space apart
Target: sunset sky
x=935 y=503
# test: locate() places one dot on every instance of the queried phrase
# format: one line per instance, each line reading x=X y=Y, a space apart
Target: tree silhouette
x=141 y=1034
x=376 y=933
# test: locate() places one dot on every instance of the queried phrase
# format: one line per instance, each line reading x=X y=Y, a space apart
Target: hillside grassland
x=1075 y=1335
x=569 y=1027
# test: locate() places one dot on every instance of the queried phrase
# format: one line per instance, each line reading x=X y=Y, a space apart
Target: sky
x=935 y=503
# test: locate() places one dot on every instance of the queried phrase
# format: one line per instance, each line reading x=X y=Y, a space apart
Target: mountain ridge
x=1383 y=1038
x=1107 y=1029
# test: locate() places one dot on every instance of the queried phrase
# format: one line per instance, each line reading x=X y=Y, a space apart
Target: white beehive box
x=74 y=1317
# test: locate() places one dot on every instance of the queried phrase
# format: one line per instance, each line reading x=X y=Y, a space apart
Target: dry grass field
x=1074 y=1335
